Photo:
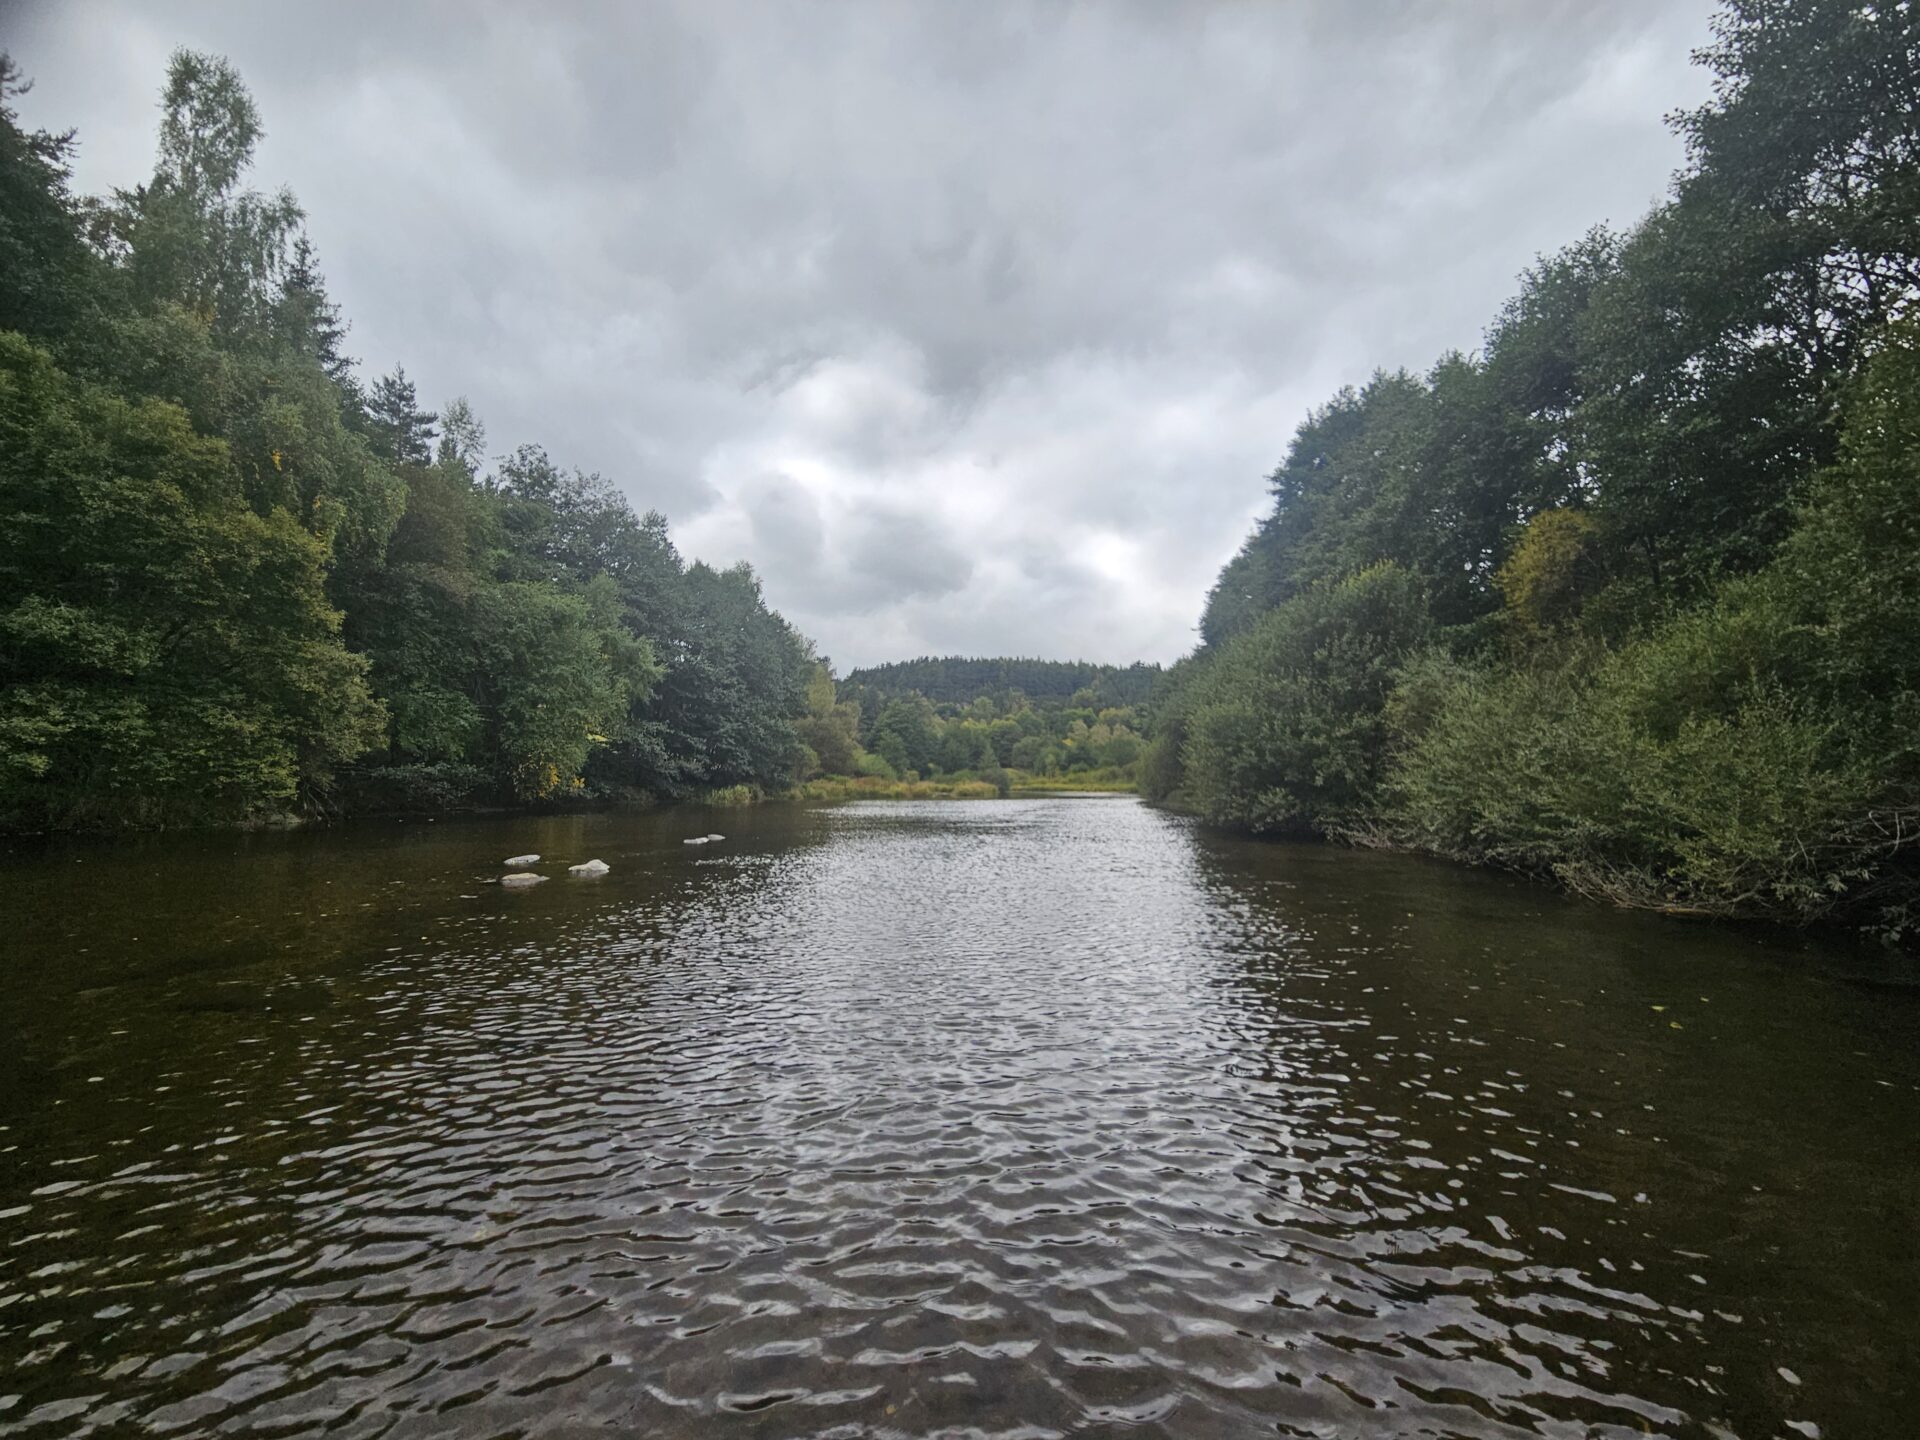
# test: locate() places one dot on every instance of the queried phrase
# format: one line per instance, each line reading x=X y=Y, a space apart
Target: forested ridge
x=1630 y=596
x=236 y=580
x=958 y=677
x=992 y=720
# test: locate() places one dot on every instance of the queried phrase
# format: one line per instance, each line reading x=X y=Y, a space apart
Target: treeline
x=892 y=731
x=956 y=678
x=1631 y=596
x=234 y=580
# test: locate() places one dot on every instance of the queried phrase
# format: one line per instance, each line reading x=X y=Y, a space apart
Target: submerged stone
x=521 y=860
x=520 y=879
x=589 y=867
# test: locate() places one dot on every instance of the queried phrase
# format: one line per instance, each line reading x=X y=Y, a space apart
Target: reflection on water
x=1027 y=1118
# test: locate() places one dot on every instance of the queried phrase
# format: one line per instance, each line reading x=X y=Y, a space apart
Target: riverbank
x=871 y=787
x=826 y=788
x=1019 y=782
x=1616 y=889
x=1084 y=782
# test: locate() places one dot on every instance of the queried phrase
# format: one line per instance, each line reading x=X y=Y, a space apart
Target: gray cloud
x=907 y=558
x=868 y=560
x=972 y=327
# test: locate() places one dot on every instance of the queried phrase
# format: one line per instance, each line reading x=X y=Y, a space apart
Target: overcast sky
x=976 y=328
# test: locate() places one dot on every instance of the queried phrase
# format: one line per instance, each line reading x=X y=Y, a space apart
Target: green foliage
x=1551 y=570
x=191 y=235
x=1284 y=728
x=415 y=789
x=905 y=736
x=830 y=728
x=399 y=429
x=1756 y=755
x=1162 y=765
x=1100 y=779
x=559 y=676
x=875 y=767
x=165 y=651
x=196 y=491
x=1085 y=719
x=1750 y=807
x=46 y=274
x=843 y=787
x=1666 y=524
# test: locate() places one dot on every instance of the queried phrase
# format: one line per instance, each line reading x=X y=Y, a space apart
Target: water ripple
x=1033 y=1119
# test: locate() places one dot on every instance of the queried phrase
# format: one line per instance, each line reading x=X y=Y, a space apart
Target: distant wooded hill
x=956 y=679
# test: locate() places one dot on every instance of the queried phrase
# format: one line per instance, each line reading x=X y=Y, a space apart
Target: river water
x=1019 y=1118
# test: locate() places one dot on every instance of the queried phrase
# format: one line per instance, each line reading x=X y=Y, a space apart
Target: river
x=1018 y=1119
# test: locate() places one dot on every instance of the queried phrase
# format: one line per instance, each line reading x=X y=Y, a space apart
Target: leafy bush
x=1284 y=729
x=1756 y=756
x=876 y=767
x=1746 y=807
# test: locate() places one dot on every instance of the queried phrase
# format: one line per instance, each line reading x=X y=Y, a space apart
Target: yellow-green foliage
x=1113 y=778
x=1552 y=568
x=1755 y=756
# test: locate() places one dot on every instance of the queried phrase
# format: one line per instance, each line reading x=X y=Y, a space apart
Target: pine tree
x=399 y=429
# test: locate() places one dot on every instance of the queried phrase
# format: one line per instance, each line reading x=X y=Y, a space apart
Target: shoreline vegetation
x=241 y=581
x=1628 y=599
x=242 y=585
x=1017 y=783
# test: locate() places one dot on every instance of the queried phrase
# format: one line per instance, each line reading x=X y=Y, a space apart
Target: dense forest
x=982 y=718
x=1631 y=596
x=959 y=678
x=238 y=581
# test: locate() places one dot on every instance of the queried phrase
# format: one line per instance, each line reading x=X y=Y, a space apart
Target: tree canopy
x=1625 y=594
x=236 y=580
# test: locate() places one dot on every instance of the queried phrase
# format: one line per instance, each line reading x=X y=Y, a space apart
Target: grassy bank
x=1020 y=782
x=870 y=787
x=1111 y=780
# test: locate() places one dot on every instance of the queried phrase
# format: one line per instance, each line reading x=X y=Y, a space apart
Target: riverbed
x=1015 y=1118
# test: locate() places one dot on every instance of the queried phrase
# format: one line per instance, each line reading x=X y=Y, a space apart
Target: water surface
x=1023 y=1118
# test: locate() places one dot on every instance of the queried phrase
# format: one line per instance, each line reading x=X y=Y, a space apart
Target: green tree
x=402 y=433
x=560 y=675
x=167 y=654
x=829 y=727
x=1285 y=728
x=47 y=277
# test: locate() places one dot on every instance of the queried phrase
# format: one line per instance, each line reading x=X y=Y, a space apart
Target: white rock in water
x=716 y=837
x=520 y=879
x=589 y=867
x=521 y=860
x=696 y=840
